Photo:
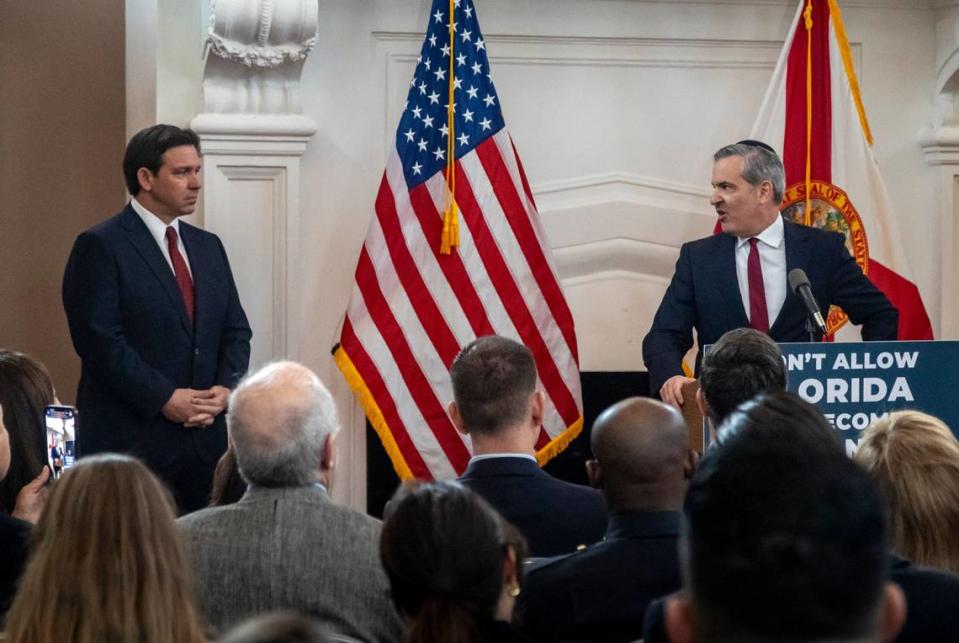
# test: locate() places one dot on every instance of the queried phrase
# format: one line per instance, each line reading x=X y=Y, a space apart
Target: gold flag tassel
x=451 y=222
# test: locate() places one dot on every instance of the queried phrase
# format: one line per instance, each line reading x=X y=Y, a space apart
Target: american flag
x=413 y=307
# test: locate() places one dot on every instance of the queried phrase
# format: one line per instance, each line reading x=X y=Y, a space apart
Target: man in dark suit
x=784 y=537
x=497 y=404
x=738 y=278
x=156 y=320
x=642 y=465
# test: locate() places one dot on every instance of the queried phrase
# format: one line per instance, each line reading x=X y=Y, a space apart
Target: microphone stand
x=812 y=329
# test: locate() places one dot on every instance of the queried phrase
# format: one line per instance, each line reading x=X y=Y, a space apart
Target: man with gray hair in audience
x=285 y=544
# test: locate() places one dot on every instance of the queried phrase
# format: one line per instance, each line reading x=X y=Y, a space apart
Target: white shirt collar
x=772 y=236
x=154 y=223
x=490 y=456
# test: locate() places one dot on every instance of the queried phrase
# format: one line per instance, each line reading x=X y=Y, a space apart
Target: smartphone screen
x=61 y=437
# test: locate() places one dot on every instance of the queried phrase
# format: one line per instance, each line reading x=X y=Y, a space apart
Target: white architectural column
x=940 y=143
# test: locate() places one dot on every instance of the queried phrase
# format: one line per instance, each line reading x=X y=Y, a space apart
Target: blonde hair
x=107 y=564
x=915 y=459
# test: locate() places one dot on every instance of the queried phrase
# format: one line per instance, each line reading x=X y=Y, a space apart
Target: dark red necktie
x=183 y=279
x=758 y=315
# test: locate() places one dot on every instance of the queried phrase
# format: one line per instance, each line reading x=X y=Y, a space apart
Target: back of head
x=914 y=457
x=760 y=163
x=641 y=450
x=279 y=627
x=107 y=563
x=25 y=389
x=443 y=548
x=147 y=147
x=740 y=365
x=279 y=420
x=784 y=537
x=493 y=379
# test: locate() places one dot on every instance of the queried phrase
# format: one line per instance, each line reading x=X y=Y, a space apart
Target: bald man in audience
x=497 y=403
x=642 y=464
x=285 y=545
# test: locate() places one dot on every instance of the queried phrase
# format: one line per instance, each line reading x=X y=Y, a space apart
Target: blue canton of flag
x=421 y=139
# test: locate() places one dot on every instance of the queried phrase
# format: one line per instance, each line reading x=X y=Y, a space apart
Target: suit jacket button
x=196 y=351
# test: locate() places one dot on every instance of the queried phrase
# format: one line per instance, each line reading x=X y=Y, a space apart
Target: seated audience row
x=806 y=558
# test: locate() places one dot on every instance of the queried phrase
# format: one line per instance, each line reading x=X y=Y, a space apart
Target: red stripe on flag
x=522 y=173
x=794 y=143
x=904 y=295
x=451 y=264
x=351 y=345
x=416 y=382
x=518 y=218
x=433 y=321
x=512 y=299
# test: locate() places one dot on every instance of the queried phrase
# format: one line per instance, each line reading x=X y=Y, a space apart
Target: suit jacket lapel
x=797 y=256
x=728 y=282
x=201 y=285
x=147 y=247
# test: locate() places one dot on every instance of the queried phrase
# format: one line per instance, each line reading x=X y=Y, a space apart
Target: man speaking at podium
x=738 y=278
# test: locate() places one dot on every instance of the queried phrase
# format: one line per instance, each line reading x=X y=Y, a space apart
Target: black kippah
x=753 y=143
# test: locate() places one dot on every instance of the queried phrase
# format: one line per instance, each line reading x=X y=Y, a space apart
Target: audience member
x=497 y=404
x=14 y=535
x=285 y=545
x=642 y=465
x=107 y=564
x=931 y=595
x=25 y=391
x=740 y=365
x=453 y=563
x=915 y=459
x=278 y=627
x=228 y=485
x=803 y=559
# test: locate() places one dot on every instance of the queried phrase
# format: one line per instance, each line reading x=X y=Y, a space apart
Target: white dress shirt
x=772 y=258
x=158 y=230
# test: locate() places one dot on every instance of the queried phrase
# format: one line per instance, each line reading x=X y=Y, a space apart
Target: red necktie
x=183 y=279
x=758 y=315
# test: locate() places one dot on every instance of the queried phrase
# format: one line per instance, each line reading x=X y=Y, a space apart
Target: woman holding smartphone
x=25 y=392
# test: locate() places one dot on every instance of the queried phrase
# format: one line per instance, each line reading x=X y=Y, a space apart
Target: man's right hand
x=672 y=390
x=185 y=406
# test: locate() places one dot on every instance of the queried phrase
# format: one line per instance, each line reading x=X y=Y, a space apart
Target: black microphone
x=799 y=284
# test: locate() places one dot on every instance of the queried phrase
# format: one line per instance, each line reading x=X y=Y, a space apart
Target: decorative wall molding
x=255 y=50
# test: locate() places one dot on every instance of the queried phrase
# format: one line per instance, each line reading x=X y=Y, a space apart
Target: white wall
x=615 y=107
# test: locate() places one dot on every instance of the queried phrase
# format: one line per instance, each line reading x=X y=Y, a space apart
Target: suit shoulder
x=814 y=234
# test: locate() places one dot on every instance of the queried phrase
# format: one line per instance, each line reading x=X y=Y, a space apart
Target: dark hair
x=781 y=515
x=25 y=390
x=147 y=147
x=278 y=627
x=493 y=378
x=742 y=363
x=760 y=163
x=443 y=547
x=228 y=485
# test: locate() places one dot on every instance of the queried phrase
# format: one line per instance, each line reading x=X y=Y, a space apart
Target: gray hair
x=279 y=419
x=759 y=164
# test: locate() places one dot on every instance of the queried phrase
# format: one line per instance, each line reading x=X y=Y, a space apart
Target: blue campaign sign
x=856 y=383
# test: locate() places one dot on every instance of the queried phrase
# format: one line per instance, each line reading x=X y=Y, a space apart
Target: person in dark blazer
x=642 y=464
x=496 y=403
x=712 y=290
x=155 y=317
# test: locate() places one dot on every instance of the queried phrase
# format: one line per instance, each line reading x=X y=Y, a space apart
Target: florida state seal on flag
x=813 y=109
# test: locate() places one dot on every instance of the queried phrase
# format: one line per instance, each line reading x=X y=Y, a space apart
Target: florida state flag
x=814 y=111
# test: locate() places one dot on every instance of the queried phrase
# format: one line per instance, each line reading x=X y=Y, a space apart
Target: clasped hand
x=192 y=407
